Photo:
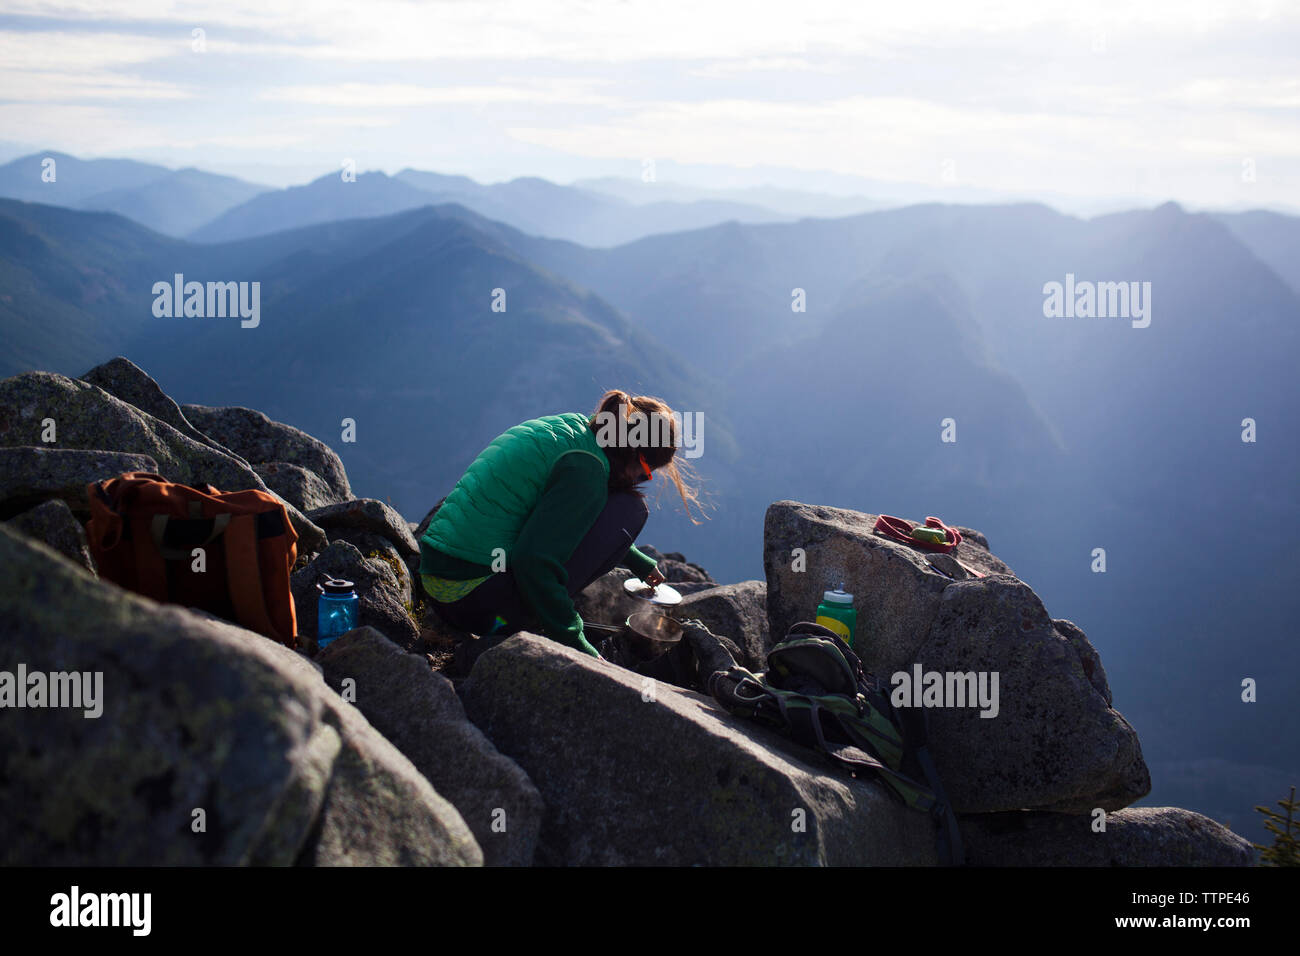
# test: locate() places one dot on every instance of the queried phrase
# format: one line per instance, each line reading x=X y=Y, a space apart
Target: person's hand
x=587 y=647
x=653 y=578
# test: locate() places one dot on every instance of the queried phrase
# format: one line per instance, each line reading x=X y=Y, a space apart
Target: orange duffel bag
x=144 y=531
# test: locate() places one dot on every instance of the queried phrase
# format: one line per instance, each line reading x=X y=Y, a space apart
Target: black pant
x=603 y=546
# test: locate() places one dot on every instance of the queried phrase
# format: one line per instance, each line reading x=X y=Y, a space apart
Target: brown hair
x=651 y=415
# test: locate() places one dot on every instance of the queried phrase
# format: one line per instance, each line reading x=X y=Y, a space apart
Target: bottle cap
x=838 y=596
x=335 y=586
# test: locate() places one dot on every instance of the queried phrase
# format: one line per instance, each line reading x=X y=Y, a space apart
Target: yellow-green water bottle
x=837 y=612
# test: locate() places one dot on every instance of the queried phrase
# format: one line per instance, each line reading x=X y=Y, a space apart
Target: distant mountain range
x=209 y=208
x=533 y=205
x=388 y=322
x=173 y=202
x=793 y=203
x=1072 y=434
x=1271 y=236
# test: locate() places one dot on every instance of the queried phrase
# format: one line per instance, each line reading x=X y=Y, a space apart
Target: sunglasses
x=648 y=473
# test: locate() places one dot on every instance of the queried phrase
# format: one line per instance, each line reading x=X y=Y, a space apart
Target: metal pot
x=648 y=624
x=650 y=630
x=647 y=633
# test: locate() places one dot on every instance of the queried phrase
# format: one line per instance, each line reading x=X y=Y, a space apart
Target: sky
x=1081 y=102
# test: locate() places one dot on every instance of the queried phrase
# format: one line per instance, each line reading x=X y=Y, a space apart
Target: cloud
x=761 y=64
x=901 y=139
x=545 y=90
x=73 y=87
x=603 y=32
x=1019 y=93
x=1232 y=92
x=86 y=52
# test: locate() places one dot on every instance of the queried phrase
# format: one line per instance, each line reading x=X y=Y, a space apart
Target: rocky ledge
x=407 y=742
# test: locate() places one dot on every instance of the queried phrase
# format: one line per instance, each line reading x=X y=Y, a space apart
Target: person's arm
x=640 y=564
x=569 y=505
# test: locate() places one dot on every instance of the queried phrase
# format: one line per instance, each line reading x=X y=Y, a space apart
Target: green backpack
x=817 y=692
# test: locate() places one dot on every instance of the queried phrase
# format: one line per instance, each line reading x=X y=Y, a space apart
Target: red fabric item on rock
x=900 y=529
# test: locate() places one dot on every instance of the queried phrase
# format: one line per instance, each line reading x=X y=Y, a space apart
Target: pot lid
x=662 y=594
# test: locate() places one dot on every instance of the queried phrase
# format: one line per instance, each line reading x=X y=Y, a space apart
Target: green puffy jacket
x=497 y=495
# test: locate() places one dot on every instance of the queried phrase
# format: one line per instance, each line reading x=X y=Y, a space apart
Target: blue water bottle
x=336 y=611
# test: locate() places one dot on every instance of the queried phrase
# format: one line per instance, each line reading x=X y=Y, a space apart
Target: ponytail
x=660 y=452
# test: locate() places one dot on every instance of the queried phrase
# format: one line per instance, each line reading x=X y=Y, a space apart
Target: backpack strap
x=244 y=577
x=744 y=694
x=809 y=629
x=119 y=497
x=150 y=569
x=951 y=851
x=801 y=715
x=807 y=723
x=878 y=737
x=106 y=526
x=916 y=732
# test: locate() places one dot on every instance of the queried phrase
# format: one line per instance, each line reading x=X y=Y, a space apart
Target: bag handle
x=158 y=529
